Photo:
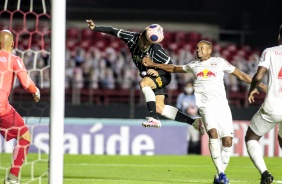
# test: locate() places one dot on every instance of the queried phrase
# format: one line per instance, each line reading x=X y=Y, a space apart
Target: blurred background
x=99 y=70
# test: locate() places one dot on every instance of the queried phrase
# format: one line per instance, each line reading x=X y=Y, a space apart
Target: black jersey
x=155 y=51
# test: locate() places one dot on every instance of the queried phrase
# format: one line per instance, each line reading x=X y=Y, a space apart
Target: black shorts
x=161 y=82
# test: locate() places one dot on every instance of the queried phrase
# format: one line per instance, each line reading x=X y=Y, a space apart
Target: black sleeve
x=106 y=29
x=160 y=56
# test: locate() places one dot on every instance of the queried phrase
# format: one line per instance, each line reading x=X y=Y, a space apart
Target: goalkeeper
x=12 y=125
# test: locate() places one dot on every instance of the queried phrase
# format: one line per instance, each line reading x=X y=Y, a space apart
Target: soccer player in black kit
x=153 y=80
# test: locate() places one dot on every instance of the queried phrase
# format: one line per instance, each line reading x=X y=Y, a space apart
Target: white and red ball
x=154 y=33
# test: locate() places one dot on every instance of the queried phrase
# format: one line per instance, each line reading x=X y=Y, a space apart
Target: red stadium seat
x=86 y=33
x=72 y=33
x=85 y=44
x=180 y=37
x=193 y=37
x=71 y=45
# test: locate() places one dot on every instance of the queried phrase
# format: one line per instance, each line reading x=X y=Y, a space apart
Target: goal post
x=56 y=155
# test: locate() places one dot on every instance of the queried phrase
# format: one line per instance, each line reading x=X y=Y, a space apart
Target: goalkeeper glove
x=36 y=96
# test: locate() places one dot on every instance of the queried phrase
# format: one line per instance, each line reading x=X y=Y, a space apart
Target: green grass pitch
x=145 y=169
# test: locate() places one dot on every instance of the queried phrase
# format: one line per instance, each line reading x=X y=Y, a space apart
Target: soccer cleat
x=198 y=125
x=266 y=178
x=223 y=179
x=152 y=122
x=216 y=179
x=11 y=179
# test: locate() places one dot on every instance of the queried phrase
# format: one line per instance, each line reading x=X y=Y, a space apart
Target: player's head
x=6 y=40
x=144 y=44
x=204 y=50
x=280 y=35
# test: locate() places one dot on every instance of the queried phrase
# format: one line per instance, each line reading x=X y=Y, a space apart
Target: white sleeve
x=187 y=68
x=227 y=67
x=265 y=59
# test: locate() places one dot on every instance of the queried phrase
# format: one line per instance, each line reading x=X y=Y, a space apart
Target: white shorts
x=262 y=122
x=218 y=116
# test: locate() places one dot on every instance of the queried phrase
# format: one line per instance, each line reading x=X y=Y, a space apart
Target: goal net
x=30 y=23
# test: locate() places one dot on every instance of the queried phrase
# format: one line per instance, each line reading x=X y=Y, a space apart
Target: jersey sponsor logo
x=159 y=81
x=214 y=64
x=205 y=74
x=278 y=53
x=3 y=59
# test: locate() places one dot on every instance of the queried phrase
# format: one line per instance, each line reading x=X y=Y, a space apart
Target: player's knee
x=213 y=133
x=144 y=82
x=227 y=141
x=250 y=135
x=26 y=136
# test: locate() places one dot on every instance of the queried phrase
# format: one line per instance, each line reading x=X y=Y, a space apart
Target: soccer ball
x=154 y=33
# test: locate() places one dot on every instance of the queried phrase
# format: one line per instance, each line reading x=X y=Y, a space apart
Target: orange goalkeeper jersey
x=11 y=65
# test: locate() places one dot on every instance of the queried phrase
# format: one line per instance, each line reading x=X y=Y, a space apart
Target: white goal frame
x=57 y=109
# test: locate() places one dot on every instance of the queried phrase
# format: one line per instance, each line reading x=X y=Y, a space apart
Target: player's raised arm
x=166 y=67
x=104 y=29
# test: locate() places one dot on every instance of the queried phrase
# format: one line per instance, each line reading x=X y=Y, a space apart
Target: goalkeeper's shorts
x=12 y=125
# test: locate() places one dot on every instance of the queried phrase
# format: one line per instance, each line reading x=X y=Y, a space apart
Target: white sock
x=225 y=156
x=214 y=146
x=169 y=112
x=256 y=156
x=149 y=94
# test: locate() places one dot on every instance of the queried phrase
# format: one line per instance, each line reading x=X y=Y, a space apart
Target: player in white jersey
x=211 y=100
x=270 y=113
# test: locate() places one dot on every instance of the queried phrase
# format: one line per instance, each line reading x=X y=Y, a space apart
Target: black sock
x=152 y=109
x=183 y=118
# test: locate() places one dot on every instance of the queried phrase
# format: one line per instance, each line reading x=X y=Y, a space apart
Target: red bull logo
x=205 y=74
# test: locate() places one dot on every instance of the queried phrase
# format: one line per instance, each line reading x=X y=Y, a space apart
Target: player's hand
x=91 y=24
x=147 y=61
x=264 y=88
x=251 y=97
x=152 y=72
x=36 y=96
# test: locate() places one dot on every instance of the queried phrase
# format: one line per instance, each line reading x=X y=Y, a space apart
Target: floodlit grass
x=145 y=169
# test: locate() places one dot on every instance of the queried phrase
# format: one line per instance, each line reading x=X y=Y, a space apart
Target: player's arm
x=161 y=56
x=25 y=80
x=171 y=68
x=103 y=29
x=247 y=79
x=256 y=81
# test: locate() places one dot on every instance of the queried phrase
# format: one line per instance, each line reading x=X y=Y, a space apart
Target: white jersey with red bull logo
x=209 y=85
x=271 y=59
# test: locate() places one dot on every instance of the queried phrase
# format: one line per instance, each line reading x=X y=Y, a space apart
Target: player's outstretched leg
x=173 y=113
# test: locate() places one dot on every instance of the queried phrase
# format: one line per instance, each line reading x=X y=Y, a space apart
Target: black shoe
x=266 y=178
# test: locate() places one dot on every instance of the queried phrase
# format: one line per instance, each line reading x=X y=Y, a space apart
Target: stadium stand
x=99 y=69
